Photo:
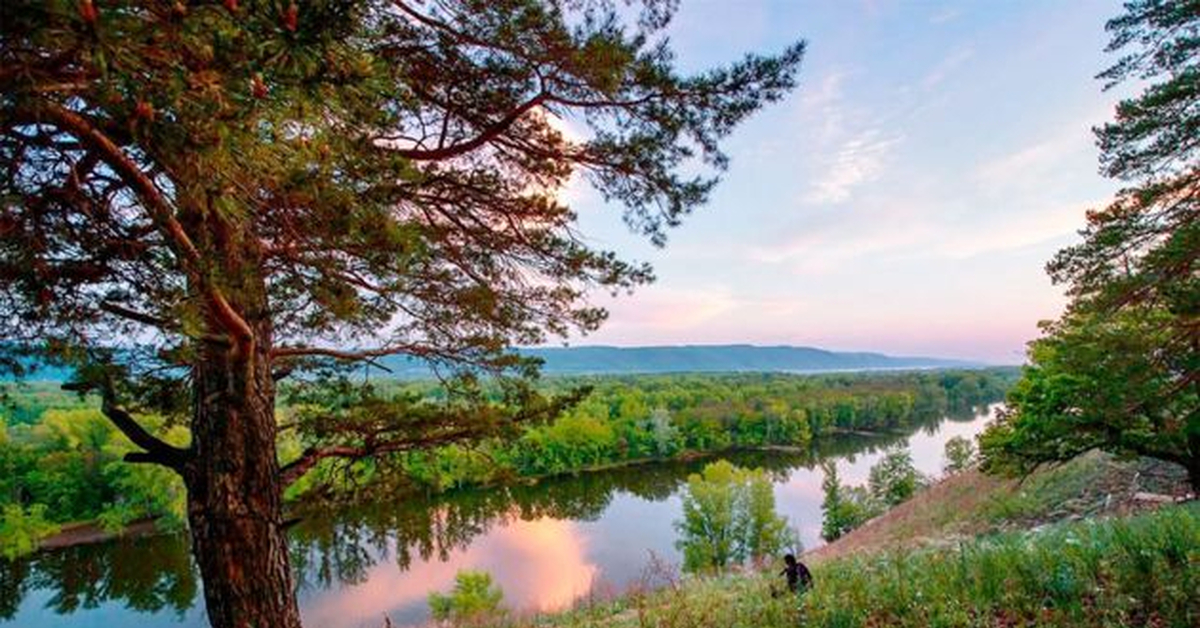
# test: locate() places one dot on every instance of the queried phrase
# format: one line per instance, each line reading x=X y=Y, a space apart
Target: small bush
x=960 y=455
x=474 y=599
x=21 y=529
x=894 y=479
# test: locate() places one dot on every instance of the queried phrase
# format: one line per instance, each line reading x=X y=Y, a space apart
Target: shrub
x=21 y=529
x=475 y=598
x=960 y=455
x=894 y=479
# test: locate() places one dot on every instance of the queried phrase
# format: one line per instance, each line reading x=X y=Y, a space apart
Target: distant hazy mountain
x=701 y=358
x=720 y=358
x=669 y=359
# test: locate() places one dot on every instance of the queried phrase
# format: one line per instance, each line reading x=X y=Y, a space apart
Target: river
x=547 y=545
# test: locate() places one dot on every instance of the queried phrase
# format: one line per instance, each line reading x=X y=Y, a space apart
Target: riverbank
x=91 y=532
x=625 y=421
x=1095 y=542
x=85 y=532
x=88 y=532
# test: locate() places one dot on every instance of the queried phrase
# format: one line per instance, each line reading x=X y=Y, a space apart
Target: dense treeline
x=646 y=417
x=60 y=460
x=68 y=466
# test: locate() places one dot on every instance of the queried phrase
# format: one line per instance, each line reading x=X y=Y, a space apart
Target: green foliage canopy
x=728 y=518
x=59 y=451
x=959 y=453
x=894 y=479
x=845 y=507
x=22 y=528
x=1121 y=369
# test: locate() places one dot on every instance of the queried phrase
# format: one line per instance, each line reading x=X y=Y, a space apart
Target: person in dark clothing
x=799 y=578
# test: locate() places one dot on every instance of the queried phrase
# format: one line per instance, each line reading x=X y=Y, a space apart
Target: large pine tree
x=202 y=198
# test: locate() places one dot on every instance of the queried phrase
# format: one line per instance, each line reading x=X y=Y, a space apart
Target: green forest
x=62 y=460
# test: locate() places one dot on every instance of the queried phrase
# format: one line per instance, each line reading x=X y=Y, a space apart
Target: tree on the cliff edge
x=1120 y=370
x=202 y=198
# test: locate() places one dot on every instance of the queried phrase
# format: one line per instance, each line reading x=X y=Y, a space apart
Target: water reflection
x=545 y=563
x=99 y=583
x=546 y=544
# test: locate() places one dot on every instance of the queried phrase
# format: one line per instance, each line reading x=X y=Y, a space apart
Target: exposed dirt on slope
x=972 y=503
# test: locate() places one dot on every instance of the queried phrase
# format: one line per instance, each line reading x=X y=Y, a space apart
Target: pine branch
x=156 y=451
x=487 y=135
x=160 y=209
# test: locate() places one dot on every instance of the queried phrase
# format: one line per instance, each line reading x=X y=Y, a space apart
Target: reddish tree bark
x=234 y=495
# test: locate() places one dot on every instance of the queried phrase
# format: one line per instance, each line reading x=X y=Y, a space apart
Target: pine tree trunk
x=234 y=492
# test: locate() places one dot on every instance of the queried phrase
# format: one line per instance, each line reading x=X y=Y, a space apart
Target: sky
x=903 y=199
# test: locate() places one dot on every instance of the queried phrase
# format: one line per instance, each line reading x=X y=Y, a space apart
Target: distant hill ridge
x=608 y=360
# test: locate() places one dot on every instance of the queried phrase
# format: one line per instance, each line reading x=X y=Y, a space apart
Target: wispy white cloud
x=822 y=105
x=1000 y=232
x=859 y=160
x=1040 y=163
x=918 y=229
x=905 y=198
x=947 y=66
x=1028 y=164
x=826 y=92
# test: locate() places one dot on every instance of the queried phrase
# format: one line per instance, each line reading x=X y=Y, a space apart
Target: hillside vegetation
x=972 y=503
x=1137 y=571
x=1087 y=543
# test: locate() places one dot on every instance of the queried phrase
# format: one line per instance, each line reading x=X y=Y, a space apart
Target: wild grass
x=971 y=503
x=1076 y=486
x=1139 y=571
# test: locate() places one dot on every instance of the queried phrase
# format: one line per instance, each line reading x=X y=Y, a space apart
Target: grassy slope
x=1137 y=571
x=970 y=551
x=971 y=503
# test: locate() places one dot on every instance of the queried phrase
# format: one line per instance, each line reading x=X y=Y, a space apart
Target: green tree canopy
x=959 y=454
x=728 y=518
x=200 y=199
x=844 y=507
x=894 y=479
x=1121 y=369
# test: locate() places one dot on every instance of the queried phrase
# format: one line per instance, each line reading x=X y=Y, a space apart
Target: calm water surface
x=546 y=545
